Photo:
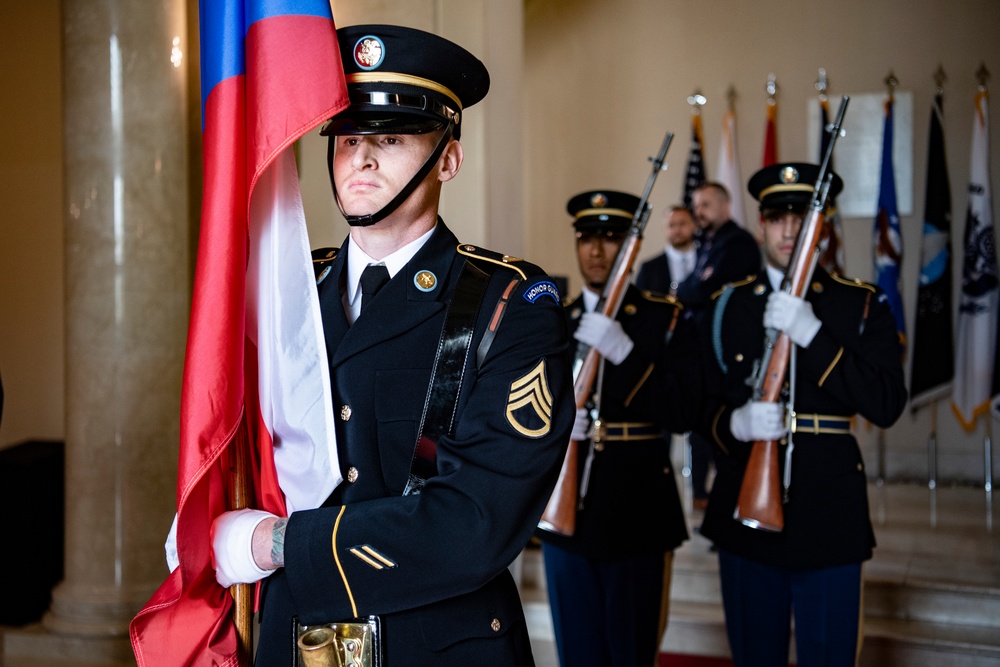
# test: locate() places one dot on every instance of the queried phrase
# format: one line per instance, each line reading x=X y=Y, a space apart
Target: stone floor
x=932 y=592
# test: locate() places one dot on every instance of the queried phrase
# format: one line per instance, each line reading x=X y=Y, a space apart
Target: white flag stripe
x=729 y=169
x=283 y=308
x=980 y=297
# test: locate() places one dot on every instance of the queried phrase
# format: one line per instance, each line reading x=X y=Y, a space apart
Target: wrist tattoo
x=278 y=542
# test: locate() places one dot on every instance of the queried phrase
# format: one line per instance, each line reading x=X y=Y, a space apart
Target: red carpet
x=682 y=660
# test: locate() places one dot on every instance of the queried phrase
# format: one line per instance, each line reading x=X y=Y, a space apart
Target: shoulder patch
x=529 y=403
x=540 y=289
x=853 y=282
x=523 y=268
x=322 y=258
x=737 y=283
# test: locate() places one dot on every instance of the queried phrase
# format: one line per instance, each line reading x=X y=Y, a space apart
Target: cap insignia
x=789 y=175
x=425 y=280
x=758 y=289
x=630 y=309
x=369 y=52
x=598 y=201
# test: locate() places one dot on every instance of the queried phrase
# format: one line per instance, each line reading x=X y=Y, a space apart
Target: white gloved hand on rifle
x=792 y=315
x=581 y=426
x=232 y=547
x=604 y=335
x=758 y=420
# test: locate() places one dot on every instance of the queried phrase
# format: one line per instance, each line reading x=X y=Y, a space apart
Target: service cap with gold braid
x=403 y=81
x=788 y=186
x=602 y=211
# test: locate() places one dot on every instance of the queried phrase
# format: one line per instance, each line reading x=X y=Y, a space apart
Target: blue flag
x=887 y=240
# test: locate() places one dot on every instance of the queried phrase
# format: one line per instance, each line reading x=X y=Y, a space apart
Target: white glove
x=605 y=335
x=792 y=315
x=757 y=420
x=581 y=427
x=170 y=546
x=232 y=547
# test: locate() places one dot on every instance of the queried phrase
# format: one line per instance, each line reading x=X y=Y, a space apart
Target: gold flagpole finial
x=697 y=101
x=731 y=97
x=983 y=75
x=890 y=83
x=772 y=89
x=939 y=78
x=822 y=83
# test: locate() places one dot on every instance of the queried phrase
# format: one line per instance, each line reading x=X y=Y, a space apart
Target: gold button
x=495 y=625
x=860 y=467
x=352 y=474
x=345 y=413
x=739 y=357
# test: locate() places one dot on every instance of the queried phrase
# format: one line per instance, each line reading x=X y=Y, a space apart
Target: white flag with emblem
x=978 y=312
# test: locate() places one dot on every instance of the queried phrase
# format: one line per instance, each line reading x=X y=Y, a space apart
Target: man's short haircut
x=714 y=185
x=681 y=207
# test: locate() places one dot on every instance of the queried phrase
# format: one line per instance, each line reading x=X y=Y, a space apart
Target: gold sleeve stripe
x=374 y=554
x=340 y=567
x=642 y=381
x=829 y=368
x=366 y=559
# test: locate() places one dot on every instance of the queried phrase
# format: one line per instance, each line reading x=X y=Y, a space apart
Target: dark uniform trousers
x=813 y=567
x=432 y=566
x=605 y=582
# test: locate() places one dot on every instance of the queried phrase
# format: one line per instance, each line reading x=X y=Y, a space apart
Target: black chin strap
x=385 y=211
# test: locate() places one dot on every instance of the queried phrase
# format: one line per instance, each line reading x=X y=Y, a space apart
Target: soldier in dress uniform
x=446 y=473
x=845 y=362
x=609 y=585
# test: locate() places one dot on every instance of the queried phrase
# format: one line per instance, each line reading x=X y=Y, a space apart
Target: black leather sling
x=450 y=363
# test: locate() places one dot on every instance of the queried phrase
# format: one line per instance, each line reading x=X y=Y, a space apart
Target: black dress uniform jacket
x=654 y=274
x=852 y=367
x=433 y=566
x=632 y=506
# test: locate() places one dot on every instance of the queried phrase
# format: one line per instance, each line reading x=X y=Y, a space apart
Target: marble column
x=127 y=300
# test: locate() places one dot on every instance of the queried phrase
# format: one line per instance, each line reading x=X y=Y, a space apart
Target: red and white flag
x=255 y=360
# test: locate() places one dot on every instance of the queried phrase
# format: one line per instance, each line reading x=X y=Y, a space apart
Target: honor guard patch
x=529 y=403
x=540 y=289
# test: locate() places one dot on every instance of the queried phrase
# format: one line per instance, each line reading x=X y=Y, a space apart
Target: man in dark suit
x=845 y=361
x=726 y=252
x=608 y=586
x=665 y=272
x=452 y=393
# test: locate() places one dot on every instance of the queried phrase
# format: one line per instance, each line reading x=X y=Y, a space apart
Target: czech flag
x=255 y=363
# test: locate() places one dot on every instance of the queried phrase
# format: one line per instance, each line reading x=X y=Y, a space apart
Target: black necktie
x=373 y=278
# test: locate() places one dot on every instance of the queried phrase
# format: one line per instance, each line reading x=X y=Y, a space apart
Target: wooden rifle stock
x=760 y=499
x=560 y=512
x=243 y=594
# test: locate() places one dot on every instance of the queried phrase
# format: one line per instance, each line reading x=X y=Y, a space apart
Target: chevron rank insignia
x=529 y=403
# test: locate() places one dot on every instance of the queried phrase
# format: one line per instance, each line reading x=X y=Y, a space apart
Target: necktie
x=373 y=278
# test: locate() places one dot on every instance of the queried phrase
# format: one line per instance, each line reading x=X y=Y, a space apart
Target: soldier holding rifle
x=608 y=585
x=844 y=362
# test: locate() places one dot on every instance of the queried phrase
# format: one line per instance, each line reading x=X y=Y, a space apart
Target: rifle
x=760 y=500
x=560 y=512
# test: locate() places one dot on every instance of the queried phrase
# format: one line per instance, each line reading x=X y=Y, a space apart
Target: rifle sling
x=450 y=363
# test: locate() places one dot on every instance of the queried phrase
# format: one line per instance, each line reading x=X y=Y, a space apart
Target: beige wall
x=601 y=82
x=31 y=222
